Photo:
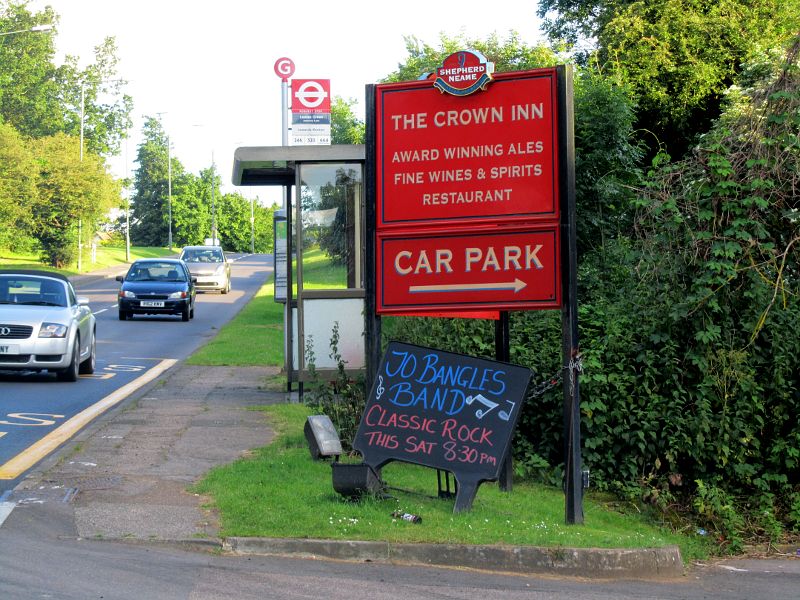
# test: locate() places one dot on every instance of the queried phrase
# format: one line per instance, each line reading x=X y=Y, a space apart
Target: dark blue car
x=157 y=286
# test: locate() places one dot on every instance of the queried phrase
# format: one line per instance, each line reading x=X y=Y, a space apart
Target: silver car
x=210 y=266
x=44 y=325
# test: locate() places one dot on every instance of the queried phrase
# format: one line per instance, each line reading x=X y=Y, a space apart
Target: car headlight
x=220 y=270
x=177 y=295
x=126 y=294
x=53 y=330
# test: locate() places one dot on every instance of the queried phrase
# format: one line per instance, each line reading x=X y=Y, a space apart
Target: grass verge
x=106 y=256
x=253 y=338
x=279 y=491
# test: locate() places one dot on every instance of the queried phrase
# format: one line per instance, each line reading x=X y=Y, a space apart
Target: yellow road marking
x=33 y=454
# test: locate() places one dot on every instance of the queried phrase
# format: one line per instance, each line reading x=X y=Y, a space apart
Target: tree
x=106 y=107
x=17 y=189
x=150 y=202
x=27 y=75
x=677 y=57
x=510 y=54
x=69 y=190
x=41 y=99
x=191 y=213
x=233 y=222
x=346 y=128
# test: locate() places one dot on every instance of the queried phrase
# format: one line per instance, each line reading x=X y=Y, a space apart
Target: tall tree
x=150 y=201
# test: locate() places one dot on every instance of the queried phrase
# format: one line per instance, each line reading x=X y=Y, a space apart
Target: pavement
x=126 y=477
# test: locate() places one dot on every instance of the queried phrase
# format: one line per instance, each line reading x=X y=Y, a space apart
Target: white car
x=210 y=266
x=44 y=326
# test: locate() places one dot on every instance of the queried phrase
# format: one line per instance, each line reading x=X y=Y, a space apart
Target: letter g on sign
x=284 y=68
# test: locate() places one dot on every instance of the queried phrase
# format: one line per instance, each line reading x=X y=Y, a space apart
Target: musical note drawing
x=480 y=413
x=380 y=389
x=506 y=415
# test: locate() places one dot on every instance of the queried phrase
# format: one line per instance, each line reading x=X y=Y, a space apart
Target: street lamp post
x=169 y=189
x=252 y=226
x=80 y=219
x=169 y=185
x=213 y=203
x=34 y=29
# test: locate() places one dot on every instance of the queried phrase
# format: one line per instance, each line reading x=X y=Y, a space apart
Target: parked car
x=157 y=286
x=210 y=265
x=44 y=326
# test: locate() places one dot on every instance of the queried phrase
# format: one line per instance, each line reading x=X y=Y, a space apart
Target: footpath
x=126 y=478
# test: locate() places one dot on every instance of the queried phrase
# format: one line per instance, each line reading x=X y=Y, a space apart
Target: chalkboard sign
x=442 y=410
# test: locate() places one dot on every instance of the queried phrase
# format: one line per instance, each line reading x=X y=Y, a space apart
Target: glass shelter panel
x=329 y=213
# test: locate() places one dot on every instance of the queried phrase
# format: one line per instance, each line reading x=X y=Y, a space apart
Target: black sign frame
x=443 y=410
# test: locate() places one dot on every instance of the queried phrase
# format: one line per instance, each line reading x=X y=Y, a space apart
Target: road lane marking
x=36 y=452
x=5 y=510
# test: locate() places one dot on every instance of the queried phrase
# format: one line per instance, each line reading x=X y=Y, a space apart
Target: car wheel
x=71 y=372
x=191 y=313
x=87 y=366
x=227 y=287
x=123 y=315
x=185 y=314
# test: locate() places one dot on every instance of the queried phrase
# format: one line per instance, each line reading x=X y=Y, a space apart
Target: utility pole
x=169 y=184
x=80 y=219
x=213 y=203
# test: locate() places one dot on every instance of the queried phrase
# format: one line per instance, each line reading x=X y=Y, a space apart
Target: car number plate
x=9 y=349
x=152 y=303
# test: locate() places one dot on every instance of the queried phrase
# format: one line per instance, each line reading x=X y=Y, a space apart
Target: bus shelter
x=319 y=252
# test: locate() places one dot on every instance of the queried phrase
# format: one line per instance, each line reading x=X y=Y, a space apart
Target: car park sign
x=511 y=270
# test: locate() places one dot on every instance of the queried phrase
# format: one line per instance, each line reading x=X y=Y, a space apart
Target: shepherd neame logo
x=463 y=73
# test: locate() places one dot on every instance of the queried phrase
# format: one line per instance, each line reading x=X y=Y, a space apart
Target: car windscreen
x=202 y=256
x=155 y=271
x=32 y=291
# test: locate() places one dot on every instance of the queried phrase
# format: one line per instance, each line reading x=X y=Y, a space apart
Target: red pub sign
x=465 y=159
x=461 y=157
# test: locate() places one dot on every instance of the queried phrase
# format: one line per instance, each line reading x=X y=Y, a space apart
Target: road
x=129 y=354
x=41 y=557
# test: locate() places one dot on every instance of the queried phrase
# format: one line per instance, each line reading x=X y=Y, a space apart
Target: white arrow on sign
x=515 y=285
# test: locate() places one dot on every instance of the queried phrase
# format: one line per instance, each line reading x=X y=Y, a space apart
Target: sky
x=208 y=67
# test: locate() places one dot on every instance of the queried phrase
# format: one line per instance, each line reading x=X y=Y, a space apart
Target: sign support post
x=502 y=352
x=573 y=486
x=284 y=68
x=372 y=324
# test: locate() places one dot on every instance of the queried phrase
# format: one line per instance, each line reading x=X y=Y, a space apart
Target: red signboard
x=475 y=270
x=311 y=95
x=488 y=156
